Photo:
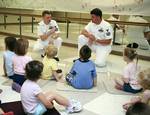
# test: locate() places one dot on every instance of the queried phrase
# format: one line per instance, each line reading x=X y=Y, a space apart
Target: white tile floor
x=115 y=64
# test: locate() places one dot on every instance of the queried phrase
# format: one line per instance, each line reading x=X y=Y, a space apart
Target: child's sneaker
x=75 y=106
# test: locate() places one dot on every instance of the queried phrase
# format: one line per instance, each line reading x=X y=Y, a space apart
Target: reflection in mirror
x=138 y=34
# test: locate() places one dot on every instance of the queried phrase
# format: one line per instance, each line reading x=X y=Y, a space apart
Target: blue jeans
x=128 y=88
x=69 y=78
x=19 y=79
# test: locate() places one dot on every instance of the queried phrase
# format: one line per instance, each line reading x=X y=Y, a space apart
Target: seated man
x=48 y=32
x=98 y=36
x=137 y=34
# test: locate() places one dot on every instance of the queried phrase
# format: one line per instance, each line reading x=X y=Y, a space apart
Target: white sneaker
x=63 y=113
x=75 y=106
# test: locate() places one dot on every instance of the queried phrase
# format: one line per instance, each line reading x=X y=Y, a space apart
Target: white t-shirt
x=101 y=31
x=29 y=91
x=131 y=72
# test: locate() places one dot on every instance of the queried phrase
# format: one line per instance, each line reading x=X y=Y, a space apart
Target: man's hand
x=51 y=31
x=55 y=35
x=91 y=37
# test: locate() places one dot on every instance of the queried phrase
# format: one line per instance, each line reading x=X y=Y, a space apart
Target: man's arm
x=88 y=35
x=45 y=101
x=104 y=41
x=93 y=38
x=46 y=35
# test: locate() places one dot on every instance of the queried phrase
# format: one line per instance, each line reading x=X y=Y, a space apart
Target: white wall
x=135 y=7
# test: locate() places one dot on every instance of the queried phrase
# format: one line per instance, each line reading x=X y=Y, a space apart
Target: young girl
x=10 y=43
x=145 y=83
x=83 y=73
x=20 y=60
x=36 y=102
x=129 y=79
x=51 y=70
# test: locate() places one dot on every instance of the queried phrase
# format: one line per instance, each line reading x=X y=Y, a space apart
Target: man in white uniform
x=48 y=32
x=98 y=36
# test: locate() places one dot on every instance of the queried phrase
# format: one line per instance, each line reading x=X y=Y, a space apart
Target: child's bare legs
x=118 y=85
x=71 y=105
x=1 y=111
x=58 y=76
x=58 y=98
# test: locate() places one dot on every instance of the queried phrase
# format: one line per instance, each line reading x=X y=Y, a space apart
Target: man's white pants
x=101 y=51
x=40 y=45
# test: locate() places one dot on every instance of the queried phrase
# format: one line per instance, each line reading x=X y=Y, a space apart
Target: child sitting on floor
x=50 y=70
x=83 y=73
x=36 y=102
x=145 y=83
x=129 y=81
x=19 y=62
x=10 y=43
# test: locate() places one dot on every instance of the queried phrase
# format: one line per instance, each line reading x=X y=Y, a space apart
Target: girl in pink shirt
x=129 y=80
x=20 y=60
x=144 y=80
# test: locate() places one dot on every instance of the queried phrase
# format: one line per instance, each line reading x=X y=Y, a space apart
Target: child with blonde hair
x=50 y=70
x=144 y=80
x=19 y=61
x=129 y=81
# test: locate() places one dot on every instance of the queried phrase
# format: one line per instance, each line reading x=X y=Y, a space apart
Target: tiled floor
x=67 y=54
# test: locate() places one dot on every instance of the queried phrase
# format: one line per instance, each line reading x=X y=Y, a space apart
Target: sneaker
x=75 y=107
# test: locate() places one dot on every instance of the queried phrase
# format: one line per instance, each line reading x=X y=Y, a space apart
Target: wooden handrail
x=129 y=23
x=85 y=20
x=20 y=14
